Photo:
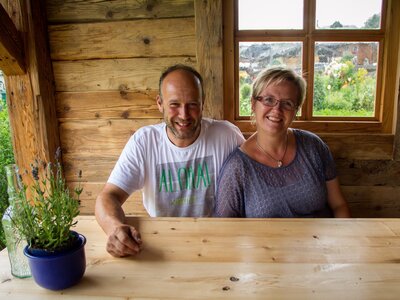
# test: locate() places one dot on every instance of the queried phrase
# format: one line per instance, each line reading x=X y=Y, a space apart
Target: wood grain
x=373 y=201
x=185 y=258
x=360 y=146
x=121 y=104
x=271 y=240
x=138 y=38
x=133 y=206
x=94 y=146
x=396 y=150
x=12 y=60
x=105 y=137
x=390 y=82
x=136 y=74
x=369 y=172
x=78 y=11
x=210 y=54
x=208 y=280
x=30 y=97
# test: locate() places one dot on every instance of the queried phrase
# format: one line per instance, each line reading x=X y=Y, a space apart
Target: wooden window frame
x=387 y=76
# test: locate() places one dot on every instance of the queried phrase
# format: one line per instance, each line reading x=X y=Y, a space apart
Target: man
x=176 y=163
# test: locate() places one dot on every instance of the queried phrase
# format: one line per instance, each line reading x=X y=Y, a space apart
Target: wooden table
x=236 y=259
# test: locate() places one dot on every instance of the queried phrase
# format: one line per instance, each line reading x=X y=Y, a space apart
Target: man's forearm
x=109 y=212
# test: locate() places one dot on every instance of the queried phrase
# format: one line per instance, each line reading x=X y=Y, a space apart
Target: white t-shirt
x=176 y=182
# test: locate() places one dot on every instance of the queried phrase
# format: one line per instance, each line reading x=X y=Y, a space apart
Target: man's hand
x=124 y=241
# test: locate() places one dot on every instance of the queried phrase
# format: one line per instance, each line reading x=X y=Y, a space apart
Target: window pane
x=345 y=14
x=345 y=79
x=255 y=56
x=270 y=14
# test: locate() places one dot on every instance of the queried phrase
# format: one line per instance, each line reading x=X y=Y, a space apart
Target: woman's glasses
x=271 y=102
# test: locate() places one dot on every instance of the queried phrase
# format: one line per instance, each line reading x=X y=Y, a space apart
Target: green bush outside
x=344 y=90
x=245 y=94
x=6 y=157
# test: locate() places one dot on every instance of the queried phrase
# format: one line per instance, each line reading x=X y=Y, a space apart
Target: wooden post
x=396 y=147
x=30 y=97
x=209 y=54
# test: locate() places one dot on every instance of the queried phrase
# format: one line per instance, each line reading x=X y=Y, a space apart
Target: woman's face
x=276 y=119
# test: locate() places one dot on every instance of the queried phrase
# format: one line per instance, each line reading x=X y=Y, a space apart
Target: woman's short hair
x=277 y=75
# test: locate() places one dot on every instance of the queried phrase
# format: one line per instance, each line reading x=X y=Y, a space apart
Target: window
x=346 y=51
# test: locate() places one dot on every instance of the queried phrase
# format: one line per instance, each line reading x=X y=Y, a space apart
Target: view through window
x=336 y=45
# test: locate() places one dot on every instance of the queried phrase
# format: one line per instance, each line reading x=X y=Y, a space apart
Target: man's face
x=181 y=105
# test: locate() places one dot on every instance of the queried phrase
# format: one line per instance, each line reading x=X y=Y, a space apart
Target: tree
x=373 y=22
x=336 y=24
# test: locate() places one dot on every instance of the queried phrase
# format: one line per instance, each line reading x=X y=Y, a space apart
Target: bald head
x=186 y=72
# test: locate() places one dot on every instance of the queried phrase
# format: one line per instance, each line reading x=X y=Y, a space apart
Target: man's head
x=180 y=100
x=184 y=68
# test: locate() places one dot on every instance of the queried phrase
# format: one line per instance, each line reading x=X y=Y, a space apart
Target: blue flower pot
x=57 y=271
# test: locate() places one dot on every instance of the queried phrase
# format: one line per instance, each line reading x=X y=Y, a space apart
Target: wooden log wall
x=107 y=57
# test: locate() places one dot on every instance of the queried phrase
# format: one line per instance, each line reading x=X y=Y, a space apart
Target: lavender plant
x=47 y=216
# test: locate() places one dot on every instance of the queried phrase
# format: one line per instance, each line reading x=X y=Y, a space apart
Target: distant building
x=256 y=56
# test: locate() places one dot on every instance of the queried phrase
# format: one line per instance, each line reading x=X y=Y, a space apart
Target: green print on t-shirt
x=185 y=188
x=182 y=201
x=184 y=178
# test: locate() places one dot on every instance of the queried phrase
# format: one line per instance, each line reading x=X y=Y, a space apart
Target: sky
x=279 y=14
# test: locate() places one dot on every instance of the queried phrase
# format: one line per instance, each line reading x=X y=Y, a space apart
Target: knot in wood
x=109 y=14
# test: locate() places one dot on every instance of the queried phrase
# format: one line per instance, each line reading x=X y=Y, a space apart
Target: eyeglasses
x=271 y=102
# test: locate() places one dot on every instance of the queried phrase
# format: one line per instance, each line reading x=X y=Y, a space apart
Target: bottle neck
x=13 y=182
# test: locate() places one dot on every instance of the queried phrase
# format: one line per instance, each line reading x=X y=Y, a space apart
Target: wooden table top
x=235 y=259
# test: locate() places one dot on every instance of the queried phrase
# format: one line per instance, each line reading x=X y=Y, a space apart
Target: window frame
x=387 y=74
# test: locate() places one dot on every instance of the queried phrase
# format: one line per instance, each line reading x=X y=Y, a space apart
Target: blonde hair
x=275 y=76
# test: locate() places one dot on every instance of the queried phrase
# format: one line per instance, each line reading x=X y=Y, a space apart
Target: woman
x=279 y=171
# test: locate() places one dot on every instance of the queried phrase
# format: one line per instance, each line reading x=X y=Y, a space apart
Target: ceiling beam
x=11 y=46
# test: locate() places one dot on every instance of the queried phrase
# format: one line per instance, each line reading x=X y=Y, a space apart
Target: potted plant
x=44 y=215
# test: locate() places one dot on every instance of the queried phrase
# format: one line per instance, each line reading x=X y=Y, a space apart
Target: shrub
x=6 y=157
x=245 y=95
x=344 y=90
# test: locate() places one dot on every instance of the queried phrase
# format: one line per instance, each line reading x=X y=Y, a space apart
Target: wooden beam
x=31 y=99
x=390 y=78
x=396 y=148
x=47 y=126
x=11 y=46
x=209 y=39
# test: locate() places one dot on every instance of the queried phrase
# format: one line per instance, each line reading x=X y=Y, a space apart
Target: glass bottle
x=15 y=242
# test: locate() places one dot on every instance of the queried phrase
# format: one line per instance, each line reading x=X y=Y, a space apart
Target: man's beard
x=182 y=134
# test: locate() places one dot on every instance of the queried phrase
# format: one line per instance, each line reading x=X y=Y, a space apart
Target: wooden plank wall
x=107 y=57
